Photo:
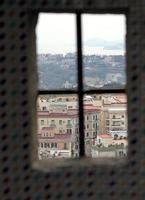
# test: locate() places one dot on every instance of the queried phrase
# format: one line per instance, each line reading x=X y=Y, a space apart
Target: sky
x=56 y=33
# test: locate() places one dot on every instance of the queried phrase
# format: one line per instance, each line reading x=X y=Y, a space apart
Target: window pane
x=104 y=51
x=58 y=135
x=105 y=125
x=56 y=47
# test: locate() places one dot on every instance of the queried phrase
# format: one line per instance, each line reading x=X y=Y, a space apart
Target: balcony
x=53 y=125
x=116 y=125
x=68 y=125
x=117 y=118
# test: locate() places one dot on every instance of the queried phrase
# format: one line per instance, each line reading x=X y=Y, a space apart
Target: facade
x=113 y=115
x=105 y=124
x=60 y=119
x=91 y=126
x=55 y=146
x=104 y=140
x=109 y=152
x=64 y=129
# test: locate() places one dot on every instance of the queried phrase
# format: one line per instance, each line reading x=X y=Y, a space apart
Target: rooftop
x=104 y=136
x=47 y=128
x=57 y=137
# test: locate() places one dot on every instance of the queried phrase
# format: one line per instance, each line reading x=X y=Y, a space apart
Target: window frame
x=80 y=92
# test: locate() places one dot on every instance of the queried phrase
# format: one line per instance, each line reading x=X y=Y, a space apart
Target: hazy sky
x=56 y=33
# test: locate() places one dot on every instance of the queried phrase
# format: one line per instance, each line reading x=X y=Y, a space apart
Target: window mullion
x=105 y=91
x=80 y=86
x=47 y=92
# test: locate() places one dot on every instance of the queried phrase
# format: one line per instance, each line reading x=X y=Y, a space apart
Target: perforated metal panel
x=19 y=181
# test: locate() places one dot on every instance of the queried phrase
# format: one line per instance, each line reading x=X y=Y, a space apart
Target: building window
x=60 y=130
x=81 y=88
x=42 y=122
x=44 y=108
x=45 y=145
x=65 y=145
x=69 y=131
x=69 y=122
x=52 y=122
x=60 y=122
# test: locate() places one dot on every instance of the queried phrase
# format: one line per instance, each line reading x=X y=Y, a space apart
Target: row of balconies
x=114 y=119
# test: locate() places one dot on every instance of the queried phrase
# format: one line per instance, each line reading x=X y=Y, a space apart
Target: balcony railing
x=69 y=125
x=53 y=125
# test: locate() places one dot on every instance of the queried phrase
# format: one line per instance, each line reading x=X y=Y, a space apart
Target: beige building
x=59 y=118
x=116 y=119
x=113 y=115
x=59 y=102
x=54 y=145
x=109 y=152
x=91 y=126
x=104 y=140
x=103 y=114
x=59 y=124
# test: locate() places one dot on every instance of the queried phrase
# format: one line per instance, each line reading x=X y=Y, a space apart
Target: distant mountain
x=113 y=85
x=106 y=45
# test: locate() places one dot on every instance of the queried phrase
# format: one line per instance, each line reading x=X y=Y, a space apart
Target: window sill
x=76 y=163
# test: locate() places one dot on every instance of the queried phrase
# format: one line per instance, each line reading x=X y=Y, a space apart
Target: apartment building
x=104 y=140
x=113 y=114
x=116 y=122
x=103 y=115
x=53 y=145
x=61 y=121
x=91 y=126
x=62 y=129
x=118 y=151
x=61 y=102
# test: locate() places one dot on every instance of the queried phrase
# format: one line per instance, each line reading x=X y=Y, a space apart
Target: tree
x=115 y=137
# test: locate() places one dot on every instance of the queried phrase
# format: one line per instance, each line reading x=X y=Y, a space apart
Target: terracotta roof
x=116 y=100
x=90 y=107
x=57 y=137
x=88 y=104
x=47 y=128
x=105 y=136
x=62 y=136
x=42 y=113
x=72 y=115
x=57 y=115
x=121 y=99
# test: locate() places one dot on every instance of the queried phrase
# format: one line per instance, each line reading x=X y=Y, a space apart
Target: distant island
x=106 y=45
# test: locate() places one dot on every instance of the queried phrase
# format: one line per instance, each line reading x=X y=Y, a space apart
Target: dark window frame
x=80 y=90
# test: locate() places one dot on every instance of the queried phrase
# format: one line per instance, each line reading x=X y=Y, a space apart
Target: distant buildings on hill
x=60 y=71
